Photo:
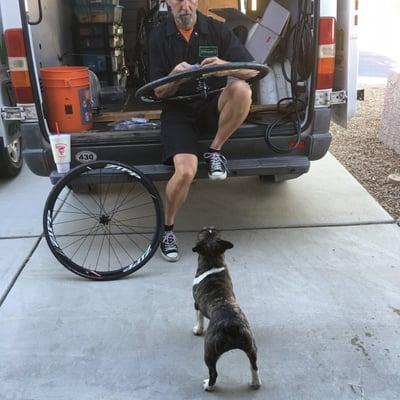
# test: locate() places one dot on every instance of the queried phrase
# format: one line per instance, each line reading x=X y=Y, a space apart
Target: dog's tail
x=230 y=335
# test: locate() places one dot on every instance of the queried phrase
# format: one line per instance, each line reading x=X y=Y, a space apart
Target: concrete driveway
x=316 y=267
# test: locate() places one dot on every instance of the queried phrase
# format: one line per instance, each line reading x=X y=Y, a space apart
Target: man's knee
x=240 y=90
x=185 y=167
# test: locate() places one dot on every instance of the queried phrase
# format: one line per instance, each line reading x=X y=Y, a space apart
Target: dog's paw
x=255 y=385
x=207 y=387
x=197 y=330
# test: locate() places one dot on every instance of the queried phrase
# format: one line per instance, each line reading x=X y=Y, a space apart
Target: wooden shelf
x=155 y=114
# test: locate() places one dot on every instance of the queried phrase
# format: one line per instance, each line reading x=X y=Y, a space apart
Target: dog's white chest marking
x=204 y=275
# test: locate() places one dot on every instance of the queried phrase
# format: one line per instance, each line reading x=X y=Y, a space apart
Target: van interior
x=117 y=53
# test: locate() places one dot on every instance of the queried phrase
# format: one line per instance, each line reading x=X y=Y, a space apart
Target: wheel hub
x=105 y=219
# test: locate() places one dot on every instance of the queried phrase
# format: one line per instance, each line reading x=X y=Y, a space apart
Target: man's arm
x=237 y=73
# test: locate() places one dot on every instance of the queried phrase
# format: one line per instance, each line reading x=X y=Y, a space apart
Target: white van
x=44 y=36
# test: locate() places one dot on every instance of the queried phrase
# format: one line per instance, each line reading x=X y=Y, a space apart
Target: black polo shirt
x=209 y=38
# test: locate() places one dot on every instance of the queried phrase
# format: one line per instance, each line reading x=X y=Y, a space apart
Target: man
x=184 y=39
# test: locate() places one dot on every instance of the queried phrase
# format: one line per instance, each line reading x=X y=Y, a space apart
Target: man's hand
x=207 y=62
x=212 y=61
x=182 y=67
x=170 y=89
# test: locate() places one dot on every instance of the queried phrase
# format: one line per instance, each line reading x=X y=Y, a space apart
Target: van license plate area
x=25 y=113
x=327 y=98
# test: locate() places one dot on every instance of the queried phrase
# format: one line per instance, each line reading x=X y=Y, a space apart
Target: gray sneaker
x=169 y=247
x=216 y=162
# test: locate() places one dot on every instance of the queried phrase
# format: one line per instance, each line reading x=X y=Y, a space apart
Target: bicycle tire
x=144 y=93
x=102 y=220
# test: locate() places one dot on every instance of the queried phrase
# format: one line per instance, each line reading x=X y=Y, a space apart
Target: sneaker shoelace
x=169 y=241
x=217 y=161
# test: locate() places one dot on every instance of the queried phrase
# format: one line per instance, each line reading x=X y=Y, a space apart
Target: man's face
x=184 y=12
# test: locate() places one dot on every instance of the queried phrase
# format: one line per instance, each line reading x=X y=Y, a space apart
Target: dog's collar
x=199 y=278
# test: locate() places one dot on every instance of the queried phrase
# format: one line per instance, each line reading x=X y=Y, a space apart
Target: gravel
x=359 y=149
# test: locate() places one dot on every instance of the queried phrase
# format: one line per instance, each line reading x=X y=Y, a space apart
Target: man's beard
x=185 y=20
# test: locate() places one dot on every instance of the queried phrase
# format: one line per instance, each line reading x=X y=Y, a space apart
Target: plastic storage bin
x=98 y=42
x=96 y=2
x=100 y=29
x=99 y=13
x=119 y=78
x=113 y=61
x=112 y=94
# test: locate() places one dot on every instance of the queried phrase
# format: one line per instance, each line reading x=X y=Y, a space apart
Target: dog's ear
x=225 y=245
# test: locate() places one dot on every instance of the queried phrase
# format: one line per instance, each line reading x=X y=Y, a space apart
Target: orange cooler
x=67 y=97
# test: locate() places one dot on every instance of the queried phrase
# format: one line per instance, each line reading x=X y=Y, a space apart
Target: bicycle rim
x=103 y=220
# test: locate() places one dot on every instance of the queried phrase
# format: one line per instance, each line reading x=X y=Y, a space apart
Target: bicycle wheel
x=108 y=230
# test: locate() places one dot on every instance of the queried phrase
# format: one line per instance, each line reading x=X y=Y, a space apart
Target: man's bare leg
x=176 y=192
x=234 y=106
x=178 y=186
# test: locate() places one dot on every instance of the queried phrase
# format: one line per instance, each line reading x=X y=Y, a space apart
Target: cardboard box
x=204 y=6
x=234 y=17
x=263 y=35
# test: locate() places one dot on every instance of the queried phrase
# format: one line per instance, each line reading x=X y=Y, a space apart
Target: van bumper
x=271 y=166
x=37 y=155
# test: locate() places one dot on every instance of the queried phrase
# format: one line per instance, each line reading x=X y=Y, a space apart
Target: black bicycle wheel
x=146 y=92
x=109 y=229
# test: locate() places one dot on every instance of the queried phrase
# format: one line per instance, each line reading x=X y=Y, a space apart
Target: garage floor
x=316 y=268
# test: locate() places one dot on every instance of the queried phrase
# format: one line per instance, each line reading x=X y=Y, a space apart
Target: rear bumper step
x=288 y=165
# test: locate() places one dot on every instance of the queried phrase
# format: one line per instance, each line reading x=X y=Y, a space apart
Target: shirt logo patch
x=208 y=51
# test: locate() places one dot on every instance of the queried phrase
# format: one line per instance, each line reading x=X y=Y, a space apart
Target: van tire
x=10 y=158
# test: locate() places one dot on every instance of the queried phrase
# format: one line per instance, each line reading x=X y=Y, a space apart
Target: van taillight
x=326 y=53
x=18 y=65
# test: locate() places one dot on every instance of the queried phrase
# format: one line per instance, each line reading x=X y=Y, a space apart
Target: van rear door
x=346 y=68
x=8 y=130
x=3 y=83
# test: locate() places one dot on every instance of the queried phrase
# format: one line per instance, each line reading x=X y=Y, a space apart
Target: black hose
x=301 y=62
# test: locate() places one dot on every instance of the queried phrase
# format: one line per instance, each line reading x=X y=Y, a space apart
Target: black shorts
x=182 y=123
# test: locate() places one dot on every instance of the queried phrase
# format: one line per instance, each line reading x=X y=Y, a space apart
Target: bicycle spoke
x=98 y=204
x=116 y=201
x=72 y=212
x=90 y=213
x=75 y=233
x=133 y=241
x=135 y=218
x=77 y=240
x=91 y=179
x=117 y=209
x=109 y=251
x=90 y=246
x=82 y=212
x=85 y=238
x=101 y=209
x=105 y=196
x=101 y=248
x=72 y=220
x=112 y=247
x=123 y=248
x=126 y=196
x=131 y=228
x=140 y=205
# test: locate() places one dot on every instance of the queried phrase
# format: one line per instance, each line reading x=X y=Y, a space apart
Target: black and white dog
x=214 y=299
